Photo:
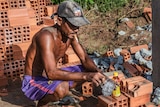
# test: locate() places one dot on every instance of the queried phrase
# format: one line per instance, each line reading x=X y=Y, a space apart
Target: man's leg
x=61 y=91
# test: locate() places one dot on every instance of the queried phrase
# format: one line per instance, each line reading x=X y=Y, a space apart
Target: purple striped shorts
x=37 y=87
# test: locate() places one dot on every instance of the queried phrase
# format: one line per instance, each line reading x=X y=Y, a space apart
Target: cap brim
x=78 y=21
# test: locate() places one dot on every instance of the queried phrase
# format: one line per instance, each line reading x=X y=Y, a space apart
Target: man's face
x=71 y=30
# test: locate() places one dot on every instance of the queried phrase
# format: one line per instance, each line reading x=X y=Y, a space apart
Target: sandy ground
x=16 y=98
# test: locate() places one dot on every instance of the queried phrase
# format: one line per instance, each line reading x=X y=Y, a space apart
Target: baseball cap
x=72 y=12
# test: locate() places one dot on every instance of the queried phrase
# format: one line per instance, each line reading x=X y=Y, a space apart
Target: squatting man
x=47 y=47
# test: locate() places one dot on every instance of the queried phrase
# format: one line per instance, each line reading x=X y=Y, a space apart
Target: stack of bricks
x=18 y=23
x=133 y=69
x=137 y=89
x=135 y=92
x=109 y=101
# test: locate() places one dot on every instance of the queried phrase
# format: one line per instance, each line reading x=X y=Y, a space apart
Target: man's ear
x=59 y=21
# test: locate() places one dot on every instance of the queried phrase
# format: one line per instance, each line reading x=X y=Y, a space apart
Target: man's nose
x=76 y=30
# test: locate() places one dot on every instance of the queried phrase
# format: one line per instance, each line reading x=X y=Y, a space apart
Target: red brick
x=3 y=81
x=138 y=101
x=126 y=55
x=87 y=89
x=109 y=53
x=108 y=101
x=130 y=24
x=135 y=49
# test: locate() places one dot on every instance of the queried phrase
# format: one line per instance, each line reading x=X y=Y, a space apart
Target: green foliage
x=102 y=5
x=57 y=1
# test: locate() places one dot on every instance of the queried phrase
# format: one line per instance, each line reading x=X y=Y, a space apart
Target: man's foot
x=65 y=102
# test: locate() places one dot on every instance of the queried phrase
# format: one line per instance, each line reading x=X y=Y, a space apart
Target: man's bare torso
x=34 y=65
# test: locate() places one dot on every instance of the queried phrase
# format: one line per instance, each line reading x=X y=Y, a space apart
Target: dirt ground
x=101 y=35
x=16 y=98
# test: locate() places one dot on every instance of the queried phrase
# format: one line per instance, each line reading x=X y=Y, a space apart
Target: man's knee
x=62 y=89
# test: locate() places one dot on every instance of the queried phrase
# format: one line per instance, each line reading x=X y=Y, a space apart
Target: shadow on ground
x=15 y=97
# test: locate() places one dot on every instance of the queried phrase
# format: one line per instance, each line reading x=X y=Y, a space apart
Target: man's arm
x=86 y=61
x=46 y=45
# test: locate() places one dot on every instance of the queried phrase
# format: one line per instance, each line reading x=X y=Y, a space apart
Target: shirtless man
x=47 y=47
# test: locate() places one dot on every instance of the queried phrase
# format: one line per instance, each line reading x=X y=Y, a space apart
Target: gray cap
x=72 y=12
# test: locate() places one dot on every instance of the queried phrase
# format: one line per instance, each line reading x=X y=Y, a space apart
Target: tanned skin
x=47 y=47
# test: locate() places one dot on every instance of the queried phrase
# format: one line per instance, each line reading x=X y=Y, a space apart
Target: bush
x=102 y=5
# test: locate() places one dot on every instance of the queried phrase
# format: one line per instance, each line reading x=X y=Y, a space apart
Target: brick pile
x=19 y=21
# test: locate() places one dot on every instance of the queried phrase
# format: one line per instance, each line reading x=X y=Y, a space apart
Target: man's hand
x=97 y=78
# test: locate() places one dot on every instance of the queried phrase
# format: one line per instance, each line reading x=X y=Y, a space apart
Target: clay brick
x=8 y=74
x=105 y=101
x=42 y=2
x=4 y=5
x=4 y=23
x=135 y=49
x=13 y=4
x=26 y=38
x=87 y=89
x=9 y=57
x=131 y=69
x=126 y=55
x=14 y=69
x=17 y=39
x=17 y=30
x=148 y=13
x=31 y=13
x=3 y=81
x=108 y=101
x=2 y=37
x=124 y=81
x=70 y=56
x=51 y=9
x=139 y=68
x=2 y=53
x=1 y=73
x=21 y=13
x=8 y=49
x=21 y=3
x=49 y=2
x=137 y=86
x=9 y=40
x=2 y=40
x=22 y=20
x=4 y=14
x=138 y=101
x=22 y=46
x=18 y=55
x=34 y=29
x=28 y=4
x=109 y=54
x=1 y=65
x=25 y=29
x=32 y=21
x=48 y=21
x=130 y=24
x=145 y=69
